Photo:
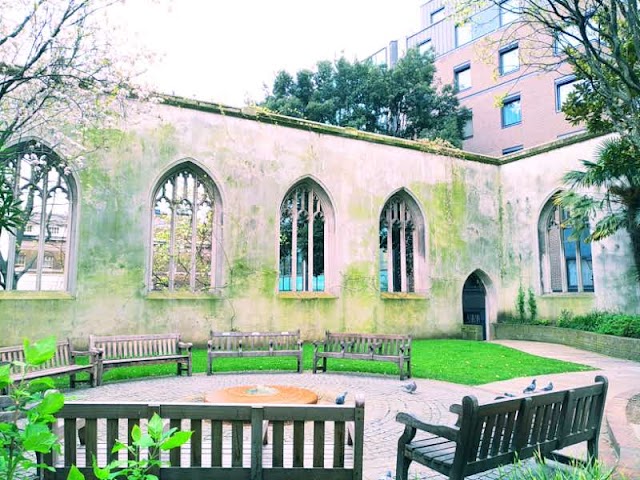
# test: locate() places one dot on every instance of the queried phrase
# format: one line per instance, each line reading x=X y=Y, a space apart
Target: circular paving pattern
x=262 y=394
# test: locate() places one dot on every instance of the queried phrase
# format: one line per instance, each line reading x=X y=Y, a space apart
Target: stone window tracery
x=402 y=248
x=186 y=231
x=305 y=219
x=566 y=263
x=35 y=256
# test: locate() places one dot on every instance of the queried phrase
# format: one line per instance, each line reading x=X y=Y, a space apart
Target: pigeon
x=549 y=387
x=504 y=395
x=531 y=388
x=410 y=387
x=340 y=398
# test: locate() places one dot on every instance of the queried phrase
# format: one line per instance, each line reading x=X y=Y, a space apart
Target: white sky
x=224 y=51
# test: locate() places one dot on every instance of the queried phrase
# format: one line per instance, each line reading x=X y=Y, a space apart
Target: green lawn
x=455 y=361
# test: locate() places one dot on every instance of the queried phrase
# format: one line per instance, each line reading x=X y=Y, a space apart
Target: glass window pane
x=509 y=12
x=463 y=79
x=463 y=34
x=467 y=129
x=562 y=93
x=509 y=61
x=437 y=15
x=425 y=47
x=511 y=113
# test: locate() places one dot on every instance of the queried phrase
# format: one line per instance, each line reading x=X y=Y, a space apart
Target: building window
x=43 y=181
x=463 y=34
x=186 y=232
x=564 y=87
x=402 y=245
x=566 y=264
x=511 y=111
x=462 y=77
x=437 y=15
x=425 y=46
x=514 y=149
x=509 y=12
x=306 y=220
x=509 y=59
x=467 y=128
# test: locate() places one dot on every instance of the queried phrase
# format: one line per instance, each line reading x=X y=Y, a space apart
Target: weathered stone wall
x=613 y=346
x=479 y=217
x=253 y=165
x=527 y=184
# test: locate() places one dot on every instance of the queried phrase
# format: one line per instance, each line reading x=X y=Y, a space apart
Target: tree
x=58 y=76
x=600 y=41
x=402 y=102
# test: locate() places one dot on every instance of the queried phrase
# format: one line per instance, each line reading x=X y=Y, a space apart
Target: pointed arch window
x=566 y=262
x=306 y=220
x=402 y=245
x=35 y=255
x=187 y=229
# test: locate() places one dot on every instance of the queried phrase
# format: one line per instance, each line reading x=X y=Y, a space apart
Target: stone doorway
x=474 y=304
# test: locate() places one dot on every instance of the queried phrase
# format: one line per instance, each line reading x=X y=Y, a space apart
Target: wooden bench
x=364 y=346
x=62 y=363
x=494 y=434
x=307 y=441
x=253 y=344
x=129 y=350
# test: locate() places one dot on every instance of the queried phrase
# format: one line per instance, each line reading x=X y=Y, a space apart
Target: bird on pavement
x=340 y=398
x=531 y=388
x=410 y=387
x=549 y=387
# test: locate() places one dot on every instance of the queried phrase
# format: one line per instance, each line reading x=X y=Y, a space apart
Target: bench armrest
x=185 y=346
x=346 y=346
x=94 y=353
x=450 y=433
x=317 y=344
x=373 y=346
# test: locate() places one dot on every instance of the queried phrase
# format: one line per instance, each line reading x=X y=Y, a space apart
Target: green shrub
x=620 y=325
x=540 y=471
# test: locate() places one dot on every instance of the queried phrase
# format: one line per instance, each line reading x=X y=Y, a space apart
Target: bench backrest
x=61 y=358
x=227 y=439
x=360 y=342
x=254 y=341
x=489 y=433
x=135 y=346
x=495 y=433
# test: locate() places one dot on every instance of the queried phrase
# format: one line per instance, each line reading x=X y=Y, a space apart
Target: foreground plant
x=25 y=428
x=540 y=471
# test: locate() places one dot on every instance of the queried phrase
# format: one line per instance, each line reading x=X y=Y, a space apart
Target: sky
x=226 y=51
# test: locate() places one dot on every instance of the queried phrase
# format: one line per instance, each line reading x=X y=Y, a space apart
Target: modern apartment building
x=514 y=105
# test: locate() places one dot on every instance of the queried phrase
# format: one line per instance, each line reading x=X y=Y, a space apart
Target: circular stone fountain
x=259 y=394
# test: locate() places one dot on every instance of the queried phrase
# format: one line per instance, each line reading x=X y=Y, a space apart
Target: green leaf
x=155 y=426
x=118 y=446
x=41 y=384
x=38 y=438
x=101 y=473
x=177 y=439
x=39 y=352
x=75 y=474
x=145 y=441
x=5 y=376
x=136 y=433
x=51 y=403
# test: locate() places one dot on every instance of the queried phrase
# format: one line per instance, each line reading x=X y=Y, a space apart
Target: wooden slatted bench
x=307 y=441
x=62 y=363
x=495 y=434
x=129 y=350
x=364 y=346
x=253 y=344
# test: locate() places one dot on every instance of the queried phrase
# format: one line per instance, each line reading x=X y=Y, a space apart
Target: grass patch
x=456 y=361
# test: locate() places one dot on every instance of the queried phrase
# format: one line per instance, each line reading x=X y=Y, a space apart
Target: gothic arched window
x=306 y=218
x=35 y=255
x=402 y=245
x=565 y=262
x=186 y=231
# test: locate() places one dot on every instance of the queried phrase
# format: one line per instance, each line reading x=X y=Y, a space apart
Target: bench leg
x=300 y=363
x=402 y=466
x=72 y=380
x=401 y=368
x=209 y=365
x=409 y=368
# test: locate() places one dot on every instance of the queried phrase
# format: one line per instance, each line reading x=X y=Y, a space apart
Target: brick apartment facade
x=488 y=64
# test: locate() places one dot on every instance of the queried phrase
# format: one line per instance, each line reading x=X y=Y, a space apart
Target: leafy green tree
x=402 y=102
